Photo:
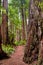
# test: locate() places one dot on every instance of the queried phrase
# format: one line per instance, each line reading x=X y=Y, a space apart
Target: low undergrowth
x=22 y=42
x=8 y=49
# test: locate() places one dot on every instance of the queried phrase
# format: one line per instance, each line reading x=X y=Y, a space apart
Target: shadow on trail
x=3 y=55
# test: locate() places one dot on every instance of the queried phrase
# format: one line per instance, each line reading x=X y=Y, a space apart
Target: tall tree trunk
x=5 y=22
x=0 y=31
x=26 y=25
x=0 y=41
x=18 y=35
x=23 y=25
x=34 y=37
x=40 y=35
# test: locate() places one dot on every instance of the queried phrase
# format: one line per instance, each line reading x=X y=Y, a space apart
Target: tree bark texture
x=35 y=33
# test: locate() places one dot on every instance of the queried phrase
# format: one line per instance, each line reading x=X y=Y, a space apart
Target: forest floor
x=16 y=58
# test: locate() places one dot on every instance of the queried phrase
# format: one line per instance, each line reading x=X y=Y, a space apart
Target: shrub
x=22 y=42
x=8 y=49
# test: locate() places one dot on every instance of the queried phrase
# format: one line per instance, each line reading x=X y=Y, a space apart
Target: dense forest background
x=21 y=24
x=14 y=19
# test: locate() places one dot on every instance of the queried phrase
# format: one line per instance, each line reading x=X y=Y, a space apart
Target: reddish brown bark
x=5 y=22
x=0 y=40
x=23 y=24
x=32 y=48
x=0 y=32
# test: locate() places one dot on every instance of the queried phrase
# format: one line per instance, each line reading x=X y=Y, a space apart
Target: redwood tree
x=5 y=21
x=23 y=23
x=35 y=34
x=0 y=31
x=0 y=41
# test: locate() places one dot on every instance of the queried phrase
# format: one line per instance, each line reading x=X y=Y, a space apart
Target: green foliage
x=20 y=42
x=41 y=5
x=16 y=43
x=4 y=10
x=0 y=20
x=22 y=4
x=0 y=15
x=8 y=49
x=14 y=16
x=11 y=38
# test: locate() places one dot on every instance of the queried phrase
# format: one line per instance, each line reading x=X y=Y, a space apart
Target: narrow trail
x=16 y=57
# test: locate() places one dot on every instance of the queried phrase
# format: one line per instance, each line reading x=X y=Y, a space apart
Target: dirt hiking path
x=16 y=57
